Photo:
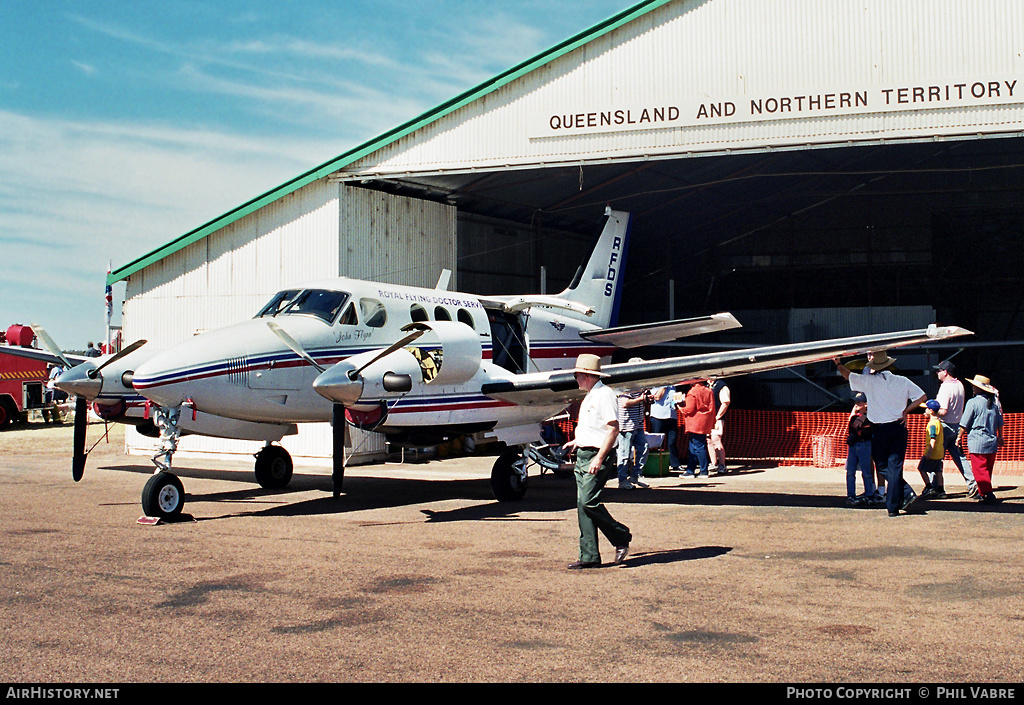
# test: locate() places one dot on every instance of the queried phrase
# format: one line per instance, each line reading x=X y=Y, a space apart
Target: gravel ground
x=417 y=575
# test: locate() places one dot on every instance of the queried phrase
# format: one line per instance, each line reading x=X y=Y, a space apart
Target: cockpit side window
x=278 y=302
x=321 y=303
x=348 y=316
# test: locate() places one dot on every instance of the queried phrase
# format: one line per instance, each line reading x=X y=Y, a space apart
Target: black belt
x=589 y=448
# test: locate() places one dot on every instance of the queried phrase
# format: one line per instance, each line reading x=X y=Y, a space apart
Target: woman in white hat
x=982 y=421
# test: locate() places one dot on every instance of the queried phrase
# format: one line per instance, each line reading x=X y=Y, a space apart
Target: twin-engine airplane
x=419 y=365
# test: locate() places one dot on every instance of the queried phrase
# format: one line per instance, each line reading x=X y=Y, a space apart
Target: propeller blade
x=126 y=351
x=78 y=457
x=294 y=345
x=51 y=346
x=390 y=349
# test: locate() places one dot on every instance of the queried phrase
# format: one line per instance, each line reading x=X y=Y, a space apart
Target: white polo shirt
x=888 y=394
x=951 y=398
x=598 y=412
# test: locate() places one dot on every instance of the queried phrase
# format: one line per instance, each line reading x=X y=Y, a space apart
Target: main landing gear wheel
x=163 y=496
x=508 y=477
x=273 y=468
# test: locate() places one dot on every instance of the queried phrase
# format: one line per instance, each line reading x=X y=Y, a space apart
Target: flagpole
x=109 y=299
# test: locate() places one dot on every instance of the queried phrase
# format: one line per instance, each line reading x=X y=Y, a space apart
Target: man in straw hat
x=982 y=422
x=597 y=430
x=891 y=398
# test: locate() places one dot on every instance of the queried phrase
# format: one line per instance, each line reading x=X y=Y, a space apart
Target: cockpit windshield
x=321 y=303
x=280 y=300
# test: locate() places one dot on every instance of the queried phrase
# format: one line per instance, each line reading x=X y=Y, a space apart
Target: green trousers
x=592 y=514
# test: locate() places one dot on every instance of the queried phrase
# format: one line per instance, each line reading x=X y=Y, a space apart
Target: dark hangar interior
x=935 y=223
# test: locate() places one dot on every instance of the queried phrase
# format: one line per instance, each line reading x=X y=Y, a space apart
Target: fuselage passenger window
x=417 y=313
x=373 y=313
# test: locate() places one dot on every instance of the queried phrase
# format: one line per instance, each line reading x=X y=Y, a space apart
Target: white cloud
x=87 y=69
x=77 y=195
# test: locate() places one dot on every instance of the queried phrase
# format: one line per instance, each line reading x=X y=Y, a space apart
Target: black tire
x=6 y=417
x=506 y=483
x=273 y=468
x=163 y=496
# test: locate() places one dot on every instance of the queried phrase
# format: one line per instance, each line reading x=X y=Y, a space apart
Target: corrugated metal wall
x=227 y=276
x=395 y=239
x=319 y=232
x=704 y=52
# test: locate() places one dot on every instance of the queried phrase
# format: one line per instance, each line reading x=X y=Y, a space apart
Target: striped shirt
x=631 y=418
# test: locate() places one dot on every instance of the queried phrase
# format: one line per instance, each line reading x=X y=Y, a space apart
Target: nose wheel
x=163 y=496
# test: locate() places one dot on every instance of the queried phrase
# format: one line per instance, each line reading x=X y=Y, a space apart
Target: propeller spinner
x=344 y=382
x=85 y=381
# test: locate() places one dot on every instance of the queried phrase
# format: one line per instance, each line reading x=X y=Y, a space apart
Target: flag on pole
x=109 y=299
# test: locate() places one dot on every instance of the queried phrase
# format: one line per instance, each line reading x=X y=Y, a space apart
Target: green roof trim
x=387 y=138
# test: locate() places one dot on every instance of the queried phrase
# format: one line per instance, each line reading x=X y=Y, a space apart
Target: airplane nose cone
x=149 y=381
x=81 y=380
x=337 y=386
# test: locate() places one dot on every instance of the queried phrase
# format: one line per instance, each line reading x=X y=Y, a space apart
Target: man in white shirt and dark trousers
x=891 y=398
x=596 y=433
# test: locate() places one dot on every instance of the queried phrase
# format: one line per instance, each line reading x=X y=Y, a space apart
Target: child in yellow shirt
x=930 y=466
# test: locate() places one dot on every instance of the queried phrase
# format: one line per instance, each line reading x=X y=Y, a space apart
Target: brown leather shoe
x=582 y=565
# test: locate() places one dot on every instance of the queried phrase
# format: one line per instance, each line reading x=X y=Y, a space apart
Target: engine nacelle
x=455 y=356
x=447 y=353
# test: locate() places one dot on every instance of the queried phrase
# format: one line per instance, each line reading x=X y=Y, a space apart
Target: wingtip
x=935 y=331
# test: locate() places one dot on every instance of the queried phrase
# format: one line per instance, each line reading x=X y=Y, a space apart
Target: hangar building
x=817 y=167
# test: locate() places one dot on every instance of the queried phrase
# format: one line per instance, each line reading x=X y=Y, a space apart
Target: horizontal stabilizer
x=664 y=332
x=519 y=304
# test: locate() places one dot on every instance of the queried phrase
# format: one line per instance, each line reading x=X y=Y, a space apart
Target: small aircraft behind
x=424 y=365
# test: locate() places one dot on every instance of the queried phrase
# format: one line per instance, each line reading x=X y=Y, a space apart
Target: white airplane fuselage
x=245 y=371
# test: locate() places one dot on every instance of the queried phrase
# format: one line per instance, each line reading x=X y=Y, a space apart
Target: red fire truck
x=22 y=380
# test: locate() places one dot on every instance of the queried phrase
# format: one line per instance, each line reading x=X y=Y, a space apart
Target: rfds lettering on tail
x=609 y=288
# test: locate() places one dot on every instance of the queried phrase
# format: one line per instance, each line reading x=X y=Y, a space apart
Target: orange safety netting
x=819 y=438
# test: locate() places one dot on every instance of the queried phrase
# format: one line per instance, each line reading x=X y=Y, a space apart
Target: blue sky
x=126 y=124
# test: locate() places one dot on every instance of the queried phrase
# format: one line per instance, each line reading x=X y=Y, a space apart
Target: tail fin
x=598 y=284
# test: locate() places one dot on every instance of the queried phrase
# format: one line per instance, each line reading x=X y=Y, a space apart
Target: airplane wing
x=664 y=332
x=550 y=387
x=36 y=354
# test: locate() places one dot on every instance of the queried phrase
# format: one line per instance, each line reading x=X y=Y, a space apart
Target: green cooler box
x=657 y=464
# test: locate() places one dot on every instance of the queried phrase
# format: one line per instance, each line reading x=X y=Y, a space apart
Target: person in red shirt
x=698 y=411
